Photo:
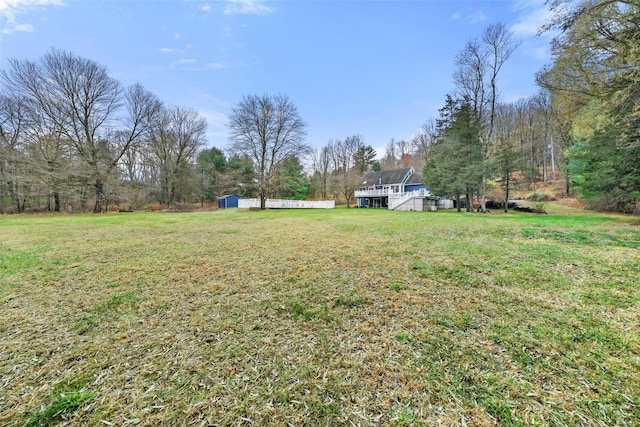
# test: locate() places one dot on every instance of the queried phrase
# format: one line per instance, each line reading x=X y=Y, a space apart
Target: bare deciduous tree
x=322 y=169
x=347 y=176
x=470 y=75
x=267 y=129
x=405 y=152
x=423 y=141
x=13 y=118
x=176 y=136
x=49 y=153
x=79 y=97
x=499 y=45
x=390 y=159
x=479 y=65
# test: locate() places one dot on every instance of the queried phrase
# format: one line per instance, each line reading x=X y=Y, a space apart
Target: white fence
x=287 y=204
x=445 y=204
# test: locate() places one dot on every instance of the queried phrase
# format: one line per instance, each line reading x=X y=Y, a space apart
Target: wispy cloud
x=477 y=17
x=206 y=8
x=255 y=7
x=206 y=67
x=26 y=28
x=170 y=50
x=11 y=9
x=194 y=65
x=185 y=61
x=533 y=15
x=179 y=36
x=473 y=17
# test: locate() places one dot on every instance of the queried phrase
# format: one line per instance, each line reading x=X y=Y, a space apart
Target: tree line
x=582 y=125
x=594 y=84
x=73 y=138
x=480 y=147
x=477 y=147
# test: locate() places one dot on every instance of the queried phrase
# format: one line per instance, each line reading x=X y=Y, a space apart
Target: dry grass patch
x=343 y=317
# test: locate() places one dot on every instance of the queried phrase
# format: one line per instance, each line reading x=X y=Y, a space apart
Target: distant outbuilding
x=228 y=201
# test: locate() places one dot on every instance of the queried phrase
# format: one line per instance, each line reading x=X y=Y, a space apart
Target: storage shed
x=228 y=201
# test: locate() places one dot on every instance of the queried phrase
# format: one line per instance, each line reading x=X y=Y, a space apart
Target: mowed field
x=334 y=317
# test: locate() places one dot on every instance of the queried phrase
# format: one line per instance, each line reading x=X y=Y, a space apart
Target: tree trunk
x=506 y=194
x=172 y=194
x=349 y=195
x=99 y=187
x=483 y=204
x=56 y=201
x=567 y=180
x=13 y=192
x=263 y=201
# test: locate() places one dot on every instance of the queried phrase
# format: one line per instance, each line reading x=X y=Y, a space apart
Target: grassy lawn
x=338 y=317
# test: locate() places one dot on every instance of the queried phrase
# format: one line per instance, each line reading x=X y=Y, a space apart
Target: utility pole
x=544 y=165
x=553 y=163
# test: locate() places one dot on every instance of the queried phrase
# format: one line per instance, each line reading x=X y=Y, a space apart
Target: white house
x=395 y=189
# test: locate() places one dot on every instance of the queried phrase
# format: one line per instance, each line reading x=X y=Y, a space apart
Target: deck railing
x=383 y=192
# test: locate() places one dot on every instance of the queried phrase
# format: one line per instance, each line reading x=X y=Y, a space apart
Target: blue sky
x=378 y=68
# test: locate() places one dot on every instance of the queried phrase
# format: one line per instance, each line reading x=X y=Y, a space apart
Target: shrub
x=541 y=196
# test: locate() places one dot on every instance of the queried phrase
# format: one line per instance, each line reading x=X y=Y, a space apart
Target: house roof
x=416 y=178
x=227 y=196
x=392 y=176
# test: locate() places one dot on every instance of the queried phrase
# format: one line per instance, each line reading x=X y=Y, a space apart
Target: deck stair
x=396 y=200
